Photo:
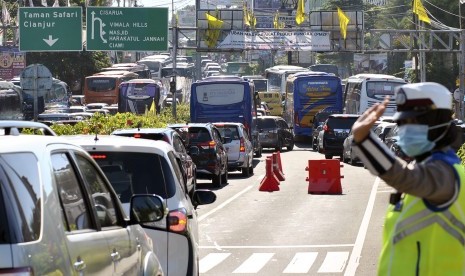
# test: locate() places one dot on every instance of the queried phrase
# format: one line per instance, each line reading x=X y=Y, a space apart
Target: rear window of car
x=20 y=198
x=199 y=135
x=228 y=131
x=341 y=122
x=266 y=123
x=151 y=136
x=136 y=173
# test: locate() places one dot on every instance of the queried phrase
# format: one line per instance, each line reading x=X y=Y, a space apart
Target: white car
x=136 y=166
x=239 y=147
x=59 y=215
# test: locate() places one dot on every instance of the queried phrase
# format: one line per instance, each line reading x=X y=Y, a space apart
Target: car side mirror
x=146 y=208
x=203 y=197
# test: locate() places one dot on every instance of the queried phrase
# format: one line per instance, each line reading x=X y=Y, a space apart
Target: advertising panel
x=12 y=62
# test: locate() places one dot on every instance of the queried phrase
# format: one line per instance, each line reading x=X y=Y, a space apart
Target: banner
x=277 y=40
x=12 y=62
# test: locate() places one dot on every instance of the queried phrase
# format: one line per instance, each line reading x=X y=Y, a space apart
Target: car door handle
x=115 y=256
x=79 y=265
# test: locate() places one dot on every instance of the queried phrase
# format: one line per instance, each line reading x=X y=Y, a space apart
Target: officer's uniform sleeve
x=434 y=181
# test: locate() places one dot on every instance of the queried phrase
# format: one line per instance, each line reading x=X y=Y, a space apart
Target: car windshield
x=136 y=173
x=341 y=123
x=229 y=131
x=198 y=135
x=266 y=123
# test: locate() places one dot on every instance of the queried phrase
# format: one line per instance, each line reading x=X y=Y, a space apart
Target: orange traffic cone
x=279 y=162
x=276 y=169
x=269 y=183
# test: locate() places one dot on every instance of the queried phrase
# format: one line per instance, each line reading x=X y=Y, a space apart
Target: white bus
x=156 y=63
x=365 y=90
x=277 y=76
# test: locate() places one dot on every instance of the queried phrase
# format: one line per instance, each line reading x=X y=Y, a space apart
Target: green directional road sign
x=131 y=29
x=50 y=29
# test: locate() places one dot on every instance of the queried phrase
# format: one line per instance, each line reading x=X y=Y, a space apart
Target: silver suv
x=238 y=146
x=59 y=214
x=136 y=166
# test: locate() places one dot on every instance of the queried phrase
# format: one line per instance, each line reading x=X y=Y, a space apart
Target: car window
x=244 y=132
x=178 y=145
x=216 y=135
x=266 y=123
x=176 y=167
x=104 y=204
x=199 y=135
x=341 y=123
x=136 y=173
x=229 y=131
x=76 y=215
x=20 y=198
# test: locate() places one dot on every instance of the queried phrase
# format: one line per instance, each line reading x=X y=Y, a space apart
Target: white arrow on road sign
x=50 y=41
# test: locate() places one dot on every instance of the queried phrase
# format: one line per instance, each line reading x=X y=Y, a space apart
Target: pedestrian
x=424 y=229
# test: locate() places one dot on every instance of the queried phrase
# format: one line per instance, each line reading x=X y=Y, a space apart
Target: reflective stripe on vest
x=420 y=221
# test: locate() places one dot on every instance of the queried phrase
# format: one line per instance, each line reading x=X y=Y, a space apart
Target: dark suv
x=173 y=138
x=275 y=133
x=205 y=146
x=335 y=130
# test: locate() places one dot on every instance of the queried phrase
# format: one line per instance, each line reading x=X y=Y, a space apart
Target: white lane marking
x=254 y=263
x=211 y=260
x=219 y=207
x=275 y=246
x=301 y=263
x=354 y=260
x=334 y=262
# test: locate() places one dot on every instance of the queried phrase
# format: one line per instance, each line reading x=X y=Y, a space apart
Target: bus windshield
x=380 y=89
x=220 y=94
x=310 y=87
x=261 y=85
x=101 y=84
x=138 y=97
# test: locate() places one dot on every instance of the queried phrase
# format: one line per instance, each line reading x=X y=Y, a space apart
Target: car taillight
x=22 y=271
x=207 y=145
x=242 y=146
x=137 y=135
x=327 y=129
x=177 y=220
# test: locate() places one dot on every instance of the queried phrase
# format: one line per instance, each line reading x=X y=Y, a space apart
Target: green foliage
x=461 y=154
x=100 y=124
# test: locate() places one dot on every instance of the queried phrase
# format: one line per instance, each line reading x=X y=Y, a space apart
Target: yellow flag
x=300 y=15
x=419 y=10
x=246 y=15
x=275 y=20
x=152 y=109
x=343 y=22
x=213 y=32
x=252 y=20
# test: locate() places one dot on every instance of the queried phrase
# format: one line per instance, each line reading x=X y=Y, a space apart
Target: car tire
x=279 y=147
x=259 y=152
x=314 y=145
x=328 y=156
x=251 y=170
x=216 y=180
x=291 y=146
x=224 y=177
x=246 y=171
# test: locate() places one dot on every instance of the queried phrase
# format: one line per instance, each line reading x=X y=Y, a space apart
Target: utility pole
x=174 y=43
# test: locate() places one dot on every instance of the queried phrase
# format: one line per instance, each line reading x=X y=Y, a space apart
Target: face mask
x=413 y=138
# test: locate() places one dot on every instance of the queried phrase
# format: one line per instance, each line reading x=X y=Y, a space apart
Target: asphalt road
x=249 y=232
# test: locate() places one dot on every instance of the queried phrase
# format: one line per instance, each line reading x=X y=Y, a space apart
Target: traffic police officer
x=424 y=229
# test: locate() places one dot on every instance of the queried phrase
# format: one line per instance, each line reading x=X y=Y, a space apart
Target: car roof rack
x=16 y=127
